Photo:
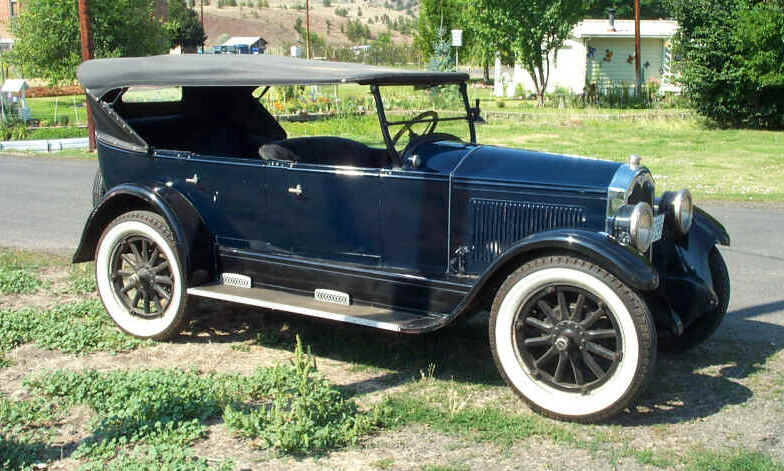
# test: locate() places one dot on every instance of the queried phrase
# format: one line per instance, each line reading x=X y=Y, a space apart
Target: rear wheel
x=571 y=339
x=707 y=324
x=139 y=276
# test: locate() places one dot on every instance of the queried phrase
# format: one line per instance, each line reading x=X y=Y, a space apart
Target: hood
x=537 y=169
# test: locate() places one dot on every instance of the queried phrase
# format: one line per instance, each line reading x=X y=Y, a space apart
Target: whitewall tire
x=139 y=276
x=571 y=339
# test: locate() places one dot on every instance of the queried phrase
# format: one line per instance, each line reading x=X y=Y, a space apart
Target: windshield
x=413 y=112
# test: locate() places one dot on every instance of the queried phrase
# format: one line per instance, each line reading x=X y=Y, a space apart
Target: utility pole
x=202 y=14
x=87 y=54
x=637 y=81
x=307 y=28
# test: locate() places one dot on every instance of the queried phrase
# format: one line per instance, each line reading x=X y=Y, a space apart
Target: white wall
x=572 y=68
x=567 y=69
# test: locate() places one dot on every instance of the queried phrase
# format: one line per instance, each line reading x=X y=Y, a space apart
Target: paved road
x=44 y=203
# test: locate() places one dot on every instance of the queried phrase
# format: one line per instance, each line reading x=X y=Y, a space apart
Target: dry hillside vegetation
x=276 y=23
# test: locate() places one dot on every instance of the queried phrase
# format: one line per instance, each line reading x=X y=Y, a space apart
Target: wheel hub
x=562 y=343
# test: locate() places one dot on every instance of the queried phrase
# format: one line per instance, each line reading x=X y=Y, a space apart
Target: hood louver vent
x=498 y=224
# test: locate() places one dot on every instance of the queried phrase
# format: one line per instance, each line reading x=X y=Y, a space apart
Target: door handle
x=194 y=179
x=297 y=190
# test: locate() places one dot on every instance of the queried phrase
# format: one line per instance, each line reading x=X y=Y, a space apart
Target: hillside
x=275 y=20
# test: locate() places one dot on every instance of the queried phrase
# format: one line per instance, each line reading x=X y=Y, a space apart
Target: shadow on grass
x=703 y=381
x=684 y=387
x=460 y=352
x=18 y=454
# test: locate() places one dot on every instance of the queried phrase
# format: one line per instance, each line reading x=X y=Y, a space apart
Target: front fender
x=683 y=264
x=626 y=264
x=194 y=242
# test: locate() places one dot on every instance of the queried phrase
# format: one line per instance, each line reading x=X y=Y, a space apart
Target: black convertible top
x=99 y=76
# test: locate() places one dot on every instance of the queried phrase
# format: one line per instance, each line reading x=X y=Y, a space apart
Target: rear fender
x=626 y=264
x=194 y=242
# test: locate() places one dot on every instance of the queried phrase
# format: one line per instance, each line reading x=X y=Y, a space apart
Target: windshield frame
x=385 y=123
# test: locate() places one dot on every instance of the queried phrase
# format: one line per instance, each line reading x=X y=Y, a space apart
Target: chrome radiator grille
x=498 y=224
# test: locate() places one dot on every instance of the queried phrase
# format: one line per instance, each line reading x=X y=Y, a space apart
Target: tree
x=184 y=27
x=732 y=60
x=530 y=31
x=649 y=9
x=47 y=35
x=436 y=17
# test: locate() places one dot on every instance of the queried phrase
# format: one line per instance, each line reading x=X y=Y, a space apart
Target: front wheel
x=571 y=339
x=139 y=276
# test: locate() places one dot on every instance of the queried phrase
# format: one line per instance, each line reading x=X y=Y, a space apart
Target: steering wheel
x=416 y=119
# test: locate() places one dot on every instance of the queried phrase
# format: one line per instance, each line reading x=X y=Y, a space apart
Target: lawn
x=59 y=110
x=245 y=388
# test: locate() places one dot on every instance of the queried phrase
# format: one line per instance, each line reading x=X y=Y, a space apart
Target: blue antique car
x=583 y=269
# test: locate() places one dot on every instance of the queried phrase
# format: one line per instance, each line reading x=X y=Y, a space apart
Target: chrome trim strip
x=295 y=309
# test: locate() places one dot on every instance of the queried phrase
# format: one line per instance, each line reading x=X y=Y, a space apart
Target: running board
x=370 y=316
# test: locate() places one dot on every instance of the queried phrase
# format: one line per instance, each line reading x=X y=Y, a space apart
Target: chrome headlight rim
x=683 y=211
x=633 y=226
x=641 y=226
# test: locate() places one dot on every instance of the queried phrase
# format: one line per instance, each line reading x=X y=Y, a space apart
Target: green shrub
x=13 y=130
x=732 y=60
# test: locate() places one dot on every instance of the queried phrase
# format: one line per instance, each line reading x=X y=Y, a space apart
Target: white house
x=601 y=53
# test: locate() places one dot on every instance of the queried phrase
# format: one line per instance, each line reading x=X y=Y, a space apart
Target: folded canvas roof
x=100 y=76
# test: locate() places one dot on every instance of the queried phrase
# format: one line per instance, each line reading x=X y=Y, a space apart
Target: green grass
x=17 y=271
x=14 y=281
x=51 y=110
x=732 y=460
x=57 y=133
x=485 y=424
x=81 y=278
x=76 y=327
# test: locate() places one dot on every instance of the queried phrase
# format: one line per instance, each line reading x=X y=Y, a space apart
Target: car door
x=335 y=212
x=415 y=217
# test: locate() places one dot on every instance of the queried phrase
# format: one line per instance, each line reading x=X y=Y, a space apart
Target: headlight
x=679 y=210
x=633 y=224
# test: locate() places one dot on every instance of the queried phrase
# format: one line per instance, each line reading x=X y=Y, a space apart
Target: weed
x=81 y=278
x=78 y=327
x=155 y=457
x=735 y=460
x=18 y=454
x=440 y=467
x=652 y=459
x=18 y=282
x=302 y=412
x=384 y=463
